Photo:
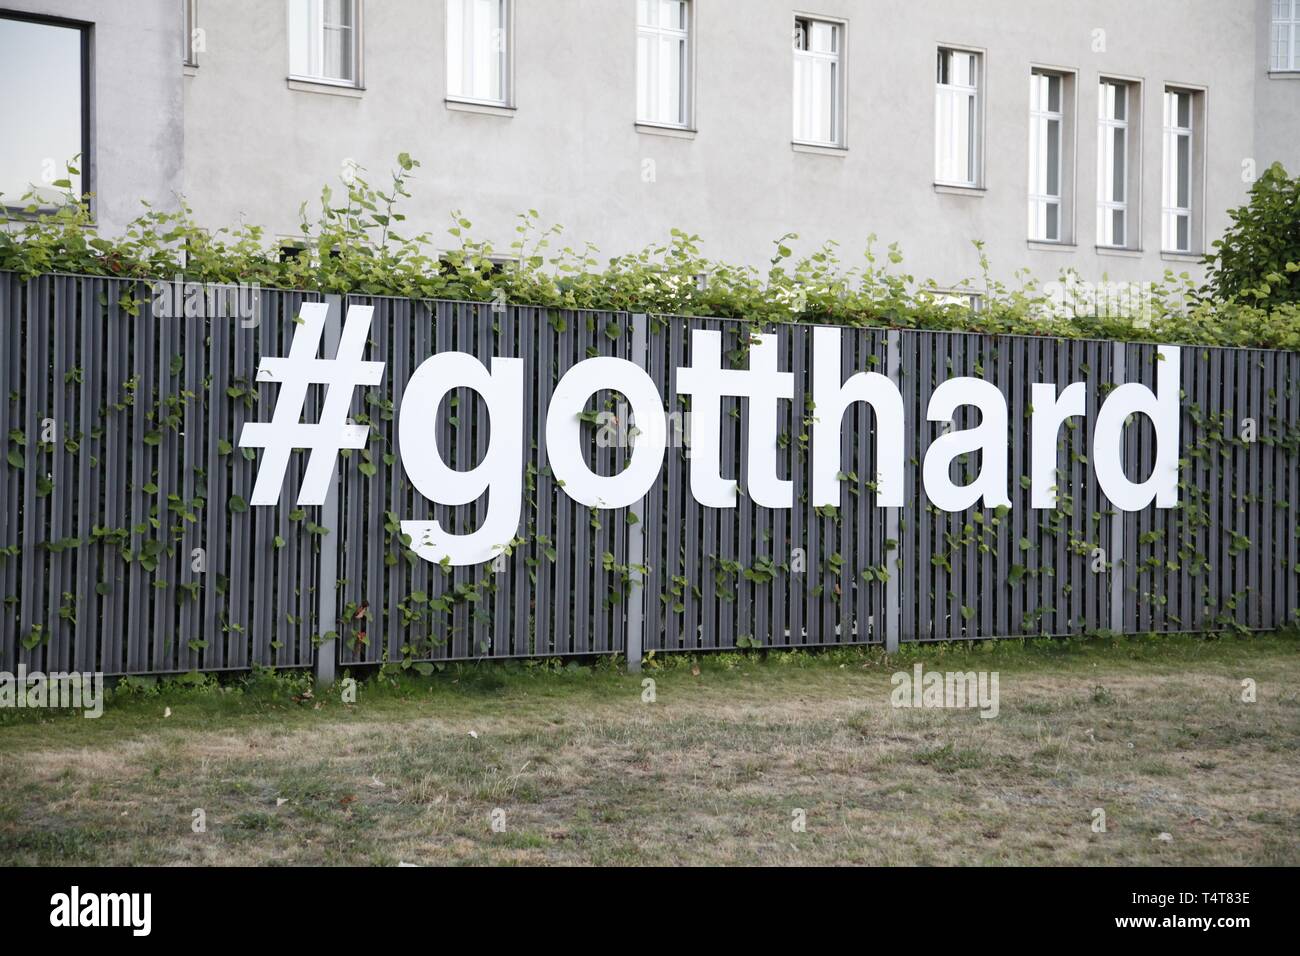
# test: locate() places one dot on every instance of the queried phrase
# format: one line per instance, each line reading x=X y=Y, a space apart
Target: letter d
x=1163 y=409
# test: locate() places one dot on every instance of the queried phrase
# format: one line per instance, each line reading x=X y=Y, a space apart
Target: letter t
x=707 y=382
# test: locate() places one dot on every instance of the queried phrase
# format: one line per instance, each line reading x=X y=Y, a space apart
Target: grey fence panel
x=1235 y=526
x=1285 y=437
x=127 y=543
x=1004 y=571
x=559 y=591
x=1291 y=436
x=751 y=576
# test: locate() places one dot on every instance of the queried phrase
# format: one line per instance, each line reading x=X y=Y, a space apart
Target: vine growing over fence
x=357 y=243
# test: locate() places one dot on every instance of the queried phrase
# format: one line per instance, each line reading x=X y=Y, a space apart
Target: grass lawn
x=1152 y=730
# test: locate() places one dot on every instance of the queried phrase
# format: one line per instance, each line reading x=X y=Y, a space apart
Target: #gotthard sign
x=501 y=383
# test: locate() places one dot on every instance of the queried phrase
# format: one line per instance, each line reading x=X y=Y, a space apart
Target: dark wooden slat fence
x=127 y=544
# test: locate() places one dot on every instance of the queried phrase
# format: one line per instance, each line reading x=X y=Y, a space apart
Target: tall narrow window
x=43 y=110
x=1179 y=167
x=1115 y=106
x=1046 y=155
x=1285 y=38
x=957 y=119
x=478 y=47
x=818 y=82
x=323 y=41
x=663 y=62
x=189 y=17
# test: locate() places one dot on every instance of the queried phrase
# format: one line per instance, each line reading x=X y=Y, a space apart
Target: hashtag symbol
x=286 y=431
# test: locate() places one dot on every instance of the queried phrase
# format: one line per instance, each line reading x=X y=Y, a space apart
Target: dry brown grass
x=712 y=773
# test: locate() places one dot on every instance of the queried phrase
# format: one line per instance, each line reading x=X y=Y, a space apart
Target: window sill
x=954 y=189
x=1125 y=251
x=673 y=132
x=190 y=69
x=473 y=106
x=1284 y=74
x=1181 y=256
x=819 y=149
x=19 y=216
x=1051 y=245
x=322 y=86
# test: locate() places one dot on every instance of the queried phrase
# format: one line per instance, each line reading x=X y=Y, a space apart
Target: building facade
x=1104 y=136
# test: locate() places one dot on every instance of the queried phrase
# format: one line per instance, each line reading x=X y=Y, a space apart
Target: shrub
x=1258 y=259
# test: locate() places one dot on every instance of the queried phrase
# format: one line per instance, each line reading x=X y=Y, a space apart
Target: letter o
x=563 y=432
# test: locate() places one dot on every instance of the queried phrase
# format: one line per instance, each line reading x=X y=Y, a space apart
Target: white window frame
x=1284 y=36
x=839 y=88
x=648 y=73
x=505 y=65
x=1108 y=127
x=1041 y=117
x=1174 y=133
x=318 y=47
x=191 y=17
x=971 y=93
x=85 y=182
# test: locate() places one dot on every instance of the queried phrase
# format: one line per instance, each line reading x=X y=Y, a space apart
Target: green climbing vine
x=357 y=243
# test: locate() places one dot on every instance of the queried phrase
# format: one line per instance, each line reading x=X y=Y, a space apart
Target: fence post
x=1117 y=519
x=327 y=573
x=893 y=623
x=635 y=530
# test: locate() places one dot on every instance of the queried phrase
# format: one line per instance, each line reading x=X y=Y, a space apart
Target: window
x=43 y=111
x=972 y=301
x=1117 y=173
x=818 y=82
x=478 y=45
x=323 y=44
x=957 y=119
x=1180 y=126
x=189 y=24
x=663 y=80
x=1285 y=37
x=1046 y=156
